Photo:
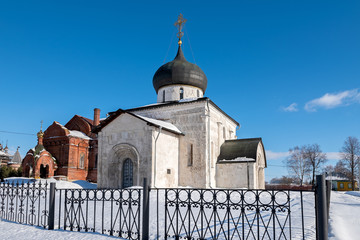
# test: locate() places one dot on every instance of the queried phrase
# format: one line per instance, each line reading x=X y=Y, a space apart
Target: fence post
x=145 y=222
x=321 y=206
x=51 y=219
x=328 y=195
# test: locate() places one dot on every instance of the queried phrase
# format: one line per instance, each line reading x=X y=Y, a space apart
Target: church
x=65 y=151
x=182 y=140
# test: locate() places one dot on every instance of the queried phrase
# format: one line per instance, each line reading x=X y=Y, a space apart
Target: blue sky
x=288 y=71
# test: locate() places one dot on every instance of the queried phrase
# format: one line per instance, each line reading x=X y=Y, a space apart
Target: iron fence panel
x=231 y=214
x=115 y=212
x=24 y=202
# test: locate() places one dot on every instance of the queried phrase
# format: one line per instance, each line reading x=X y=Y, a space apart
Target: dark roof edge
x=218 y=108
x=108 y=120
x=119 y=112
x=243 y=139
x=262 y=144
x=187 y=102
x=247 y=139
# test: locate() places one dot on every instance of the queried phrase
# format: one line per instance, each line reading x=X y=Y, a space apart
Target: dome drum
x=179 y=72
x=178 y=92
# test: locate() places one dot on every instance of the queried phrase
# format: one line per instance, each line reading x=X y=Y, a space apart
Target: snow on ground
x=344 y=221
x=59 y=183
x=344 y=216
x=16 y=231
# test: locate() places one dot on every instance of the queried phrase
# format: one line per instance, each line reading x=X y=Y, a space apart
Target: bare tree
x=297 y=164
x=350 y=154
x=340 y=170
x=314 y=157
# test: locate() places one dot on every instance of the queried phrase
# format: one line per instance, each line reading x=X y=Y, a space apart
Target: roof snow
x=160 y=123
x=238 y=159
x=78 y=134
x=74 y=133
x=2 y=153
x=16 y=158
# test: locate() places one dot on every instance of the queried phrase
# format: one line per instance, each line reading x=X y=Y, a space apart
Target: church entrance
x=127 y=172
x=44 y=171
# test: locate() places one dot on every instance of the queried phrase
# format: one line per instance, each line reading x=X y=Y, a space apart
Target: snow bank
x=357 y=194
x=14 y=231
x=344 y=216
x=59 y=183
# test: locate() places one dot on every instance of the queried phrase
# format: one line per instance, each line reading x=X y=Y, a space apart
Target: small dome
x=179 y=71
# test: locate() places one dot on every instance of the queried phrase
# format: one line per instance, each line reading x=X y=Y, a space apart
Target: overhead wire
x=18 y=133
x=172 y=38
x=187 y=36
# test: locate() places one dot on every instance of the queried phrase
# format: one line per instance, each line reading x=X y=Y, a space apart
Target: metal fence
x=115 y=212
x=181 y=213
x=25 y=203
x=232 y=214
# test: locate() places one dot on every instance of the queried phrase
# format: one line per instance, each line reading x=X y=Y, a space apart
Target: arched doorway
x=27 y=170
x=44 y=171
x=127 y=173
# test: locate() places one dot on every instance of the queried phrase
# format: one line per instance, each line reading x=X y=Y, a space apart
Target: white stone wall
x=260 y=167
x=165 y=159
x=126 y=136
x=190 y=119
x=172 y=93
x=235 y=175
x=193 y=120
x=222 y=128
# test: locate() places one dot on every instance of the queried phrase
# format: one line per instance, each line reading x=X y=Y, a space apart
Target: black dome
x=179 y=71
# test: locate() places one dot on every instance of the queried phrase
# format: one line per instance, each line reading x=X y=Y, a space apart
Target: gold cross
x=179 y=24
x=41 y=125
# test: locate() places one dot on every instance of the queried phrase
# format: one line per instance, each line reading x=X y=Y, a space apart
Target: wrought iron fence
x=24 y=203
x=168 y=213
x=232 y=214
x=115 y=212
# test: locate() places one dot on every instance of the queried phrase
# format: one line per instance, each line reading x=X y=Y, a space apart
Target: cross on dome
x=179 y=25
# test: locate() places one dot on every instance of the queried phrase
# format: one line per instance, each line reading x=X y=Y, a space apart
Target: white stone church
x=183 y=140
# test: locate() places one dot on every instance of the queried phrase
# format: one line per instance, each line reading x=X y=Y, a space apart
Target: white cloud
x=333 y=155
x=332 y=100
x=291 y=108
x=270 y=155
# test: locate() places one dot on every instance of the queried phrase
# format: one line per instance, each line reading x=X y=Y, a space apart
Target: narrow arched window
x=181 y=93
x=164 y=96
x=198 y=93
x=127 y=173
x=81 y=162
x=190 y=154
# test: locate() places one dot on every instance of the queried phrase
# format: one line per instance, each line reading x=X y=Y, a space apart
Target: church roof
x=160 y=105
x=150 y=121
x=64 y=132
x=240 y=150
x=159 y=123
x=17 y=158
x=2 y=153
x=179 y=71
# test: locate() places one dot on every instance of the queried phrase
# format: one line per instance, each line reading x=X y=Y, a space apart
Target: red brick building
x=69 y=150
